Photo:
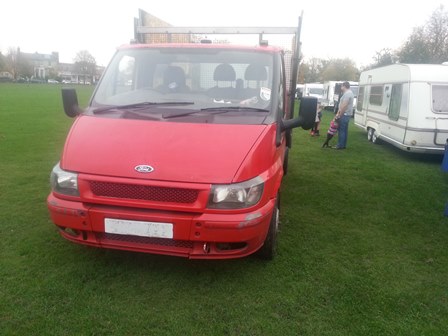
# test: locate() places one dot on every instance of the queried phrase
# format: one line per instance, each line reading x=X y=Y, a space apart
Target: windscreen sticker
x=265 y=93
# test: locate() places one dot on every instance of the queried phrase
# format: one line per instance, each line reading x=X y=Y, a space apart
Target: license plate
x=138 y=228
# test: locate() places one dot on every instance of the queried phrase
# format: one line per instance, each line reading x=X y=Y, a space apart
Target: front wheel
x=285 y=162
x=269 y=248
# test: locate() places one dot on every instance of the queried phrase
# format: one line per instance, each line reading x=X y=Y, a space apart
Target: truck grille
x=141 y=192
x=145 y=240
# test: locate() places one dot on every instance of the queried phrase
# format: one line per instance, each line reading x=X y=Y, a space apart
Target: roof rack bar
x=216 y=30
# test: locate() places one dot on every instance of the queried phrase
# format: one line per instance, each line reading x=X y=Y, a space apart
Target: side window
x=395 y=101
x=440 y=98
x=125 y=79
x=360 y=98
x=376 y=95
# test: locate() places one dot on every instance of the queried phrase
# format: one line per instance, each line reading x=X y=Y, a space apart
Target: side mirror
x=70 y=102
x=307 y=115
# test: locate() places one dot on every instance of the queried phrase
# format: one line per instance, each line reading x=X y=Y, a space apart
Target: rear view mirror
x=307 y=115
x=307 y=112
x=70 y=102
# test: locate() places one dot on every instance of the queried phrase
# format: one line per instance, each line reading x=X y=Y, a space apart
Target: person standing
x=344 y=114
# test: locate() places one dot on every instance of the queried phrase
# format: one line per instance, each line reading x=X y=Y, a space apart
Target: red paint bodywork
x=185 y=156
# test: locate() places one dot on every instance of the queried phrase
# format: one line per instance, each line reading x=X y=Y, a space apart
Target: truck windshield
x=154 y=79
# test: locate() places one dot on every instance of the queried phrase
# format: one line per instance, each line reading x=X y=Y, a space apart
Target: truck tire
x=269 y=248
x=285 y=162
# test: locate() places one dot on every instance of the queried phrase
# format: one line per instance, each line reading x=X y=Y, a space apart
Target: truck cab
x=181 y=151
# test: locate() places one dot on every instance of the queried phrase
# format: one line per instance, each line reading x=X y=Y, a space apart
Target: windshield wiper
x=215 y=110
x=235 y=108
x=140 y=105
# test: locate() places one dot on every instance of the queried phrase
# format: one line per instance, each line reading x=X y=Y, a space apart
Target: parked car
x=52 y=81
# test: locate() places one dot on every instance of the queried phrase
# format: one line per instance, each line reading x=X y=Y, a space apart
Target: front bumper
x=195 y=235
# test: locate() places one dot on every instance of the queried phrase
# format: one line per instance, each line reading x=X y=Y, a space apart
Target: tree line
x=21 y=67
x=427 y=44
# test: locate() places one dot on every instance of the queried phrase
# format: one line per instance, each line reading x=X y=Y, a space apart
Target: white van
x=314 y=90
x=405 y=105
x=329 y=93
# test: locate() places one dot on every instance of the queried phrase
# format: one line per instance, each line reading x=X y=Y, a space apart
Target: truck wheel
x=374 y=137
x=285 y=162
x=269 y=248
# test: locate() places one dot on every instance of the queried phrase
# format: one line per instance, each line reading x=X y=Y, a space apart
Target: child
x=334 y=124
x=316 y=127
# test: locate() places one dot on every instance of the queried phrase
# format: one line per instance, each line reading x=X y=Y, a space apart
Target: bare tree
x=2 y=61
x=12 y=61
x=310 y=70
x=16 y=64
x=384 y=57
x=85 y=64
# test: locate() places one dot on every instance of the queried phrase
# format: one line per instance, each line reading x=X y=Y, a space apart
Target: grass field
x=362 y=249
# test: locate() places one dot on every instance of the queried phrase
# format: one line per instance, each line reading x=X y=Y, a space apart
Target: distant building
x=67 y=73
x=6 y=76
x=44 y=65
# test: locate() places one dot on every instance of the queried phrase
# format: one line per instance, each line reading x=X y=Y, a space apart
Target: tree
x=319 y=70
x=17 y=65
x=2 y=61
x=85 y=64
x=12 y=61
x=340 y=70
x=309 y=71
x=383 y=57
x=428 y=43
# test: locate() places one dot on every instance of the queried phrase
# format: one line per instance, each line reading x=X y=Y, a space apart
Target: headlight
x=64 y=182
x=236 y=196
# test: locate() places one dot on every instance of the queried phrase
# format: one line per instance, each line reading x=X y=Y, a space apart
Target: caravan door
x=396 y=111
x=362 y=105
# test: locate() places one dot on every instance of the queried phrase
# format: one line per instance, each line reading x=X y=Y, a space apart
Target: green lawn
x=362 y=249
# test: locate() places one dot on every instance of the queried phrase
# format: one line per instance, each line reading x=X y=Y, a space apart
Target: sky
x=330 y=29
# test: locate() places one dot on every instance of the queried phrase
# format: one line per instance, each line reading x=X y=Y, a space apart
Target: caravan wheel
x=374 y=137
x=370 y=132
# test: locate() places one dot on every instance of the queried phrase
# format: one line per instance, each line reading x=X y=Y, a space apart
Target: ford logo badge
x=144 y=168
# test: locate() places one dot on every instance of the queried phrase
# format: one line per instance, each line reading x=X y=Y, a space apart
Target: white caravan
x=329 y=93
x=405 y=105
x=313 y=90
x=299 y=90
x=332 y=91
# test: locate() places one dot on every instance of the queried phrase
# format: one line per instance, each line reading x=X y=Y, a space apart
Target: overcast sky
x=331 y=29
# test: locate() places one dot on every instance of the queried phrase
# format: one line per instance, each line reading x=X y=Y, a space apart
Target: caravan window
x=440 y=98
x=395 y=101
x=376 y=95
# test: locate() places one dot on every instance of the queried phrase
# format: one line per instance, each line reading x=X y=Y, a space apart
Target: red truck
x=181 y=150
